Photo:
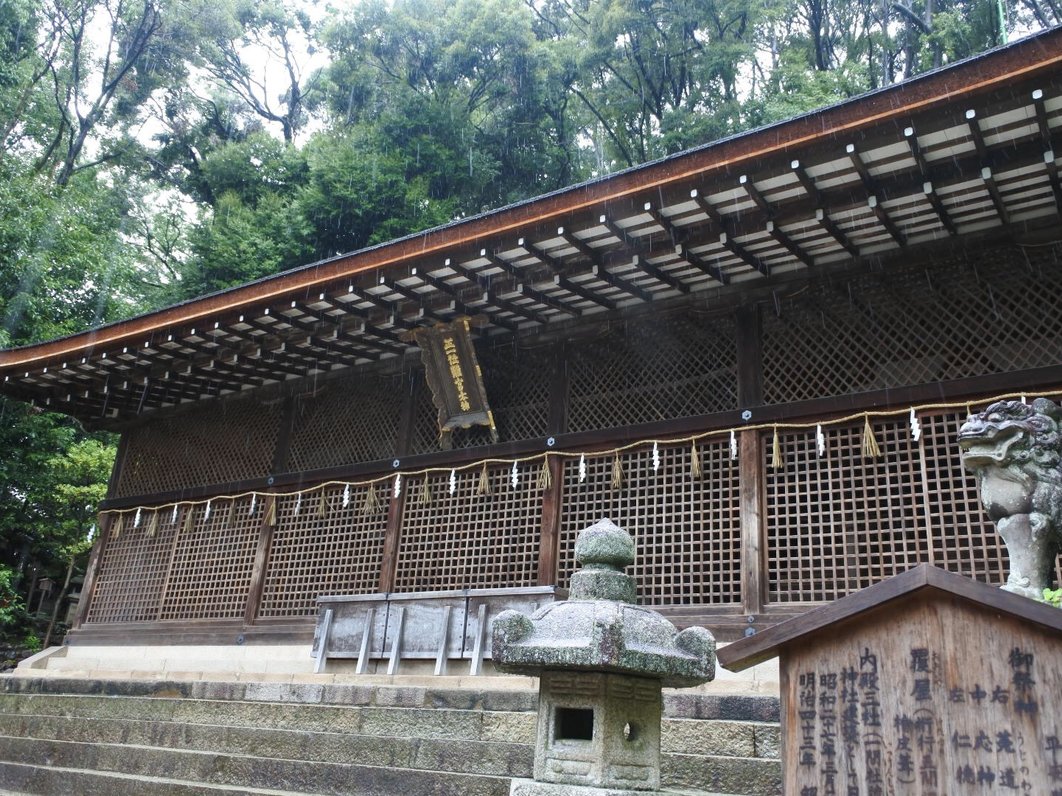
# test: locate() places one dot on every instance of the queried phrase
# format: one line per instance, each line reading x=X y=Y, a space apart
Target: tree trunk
x=58 y=602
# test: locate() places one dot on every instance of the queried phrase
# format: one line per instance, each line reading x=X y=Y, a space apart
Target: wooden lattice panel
x=229 y=441
x=350 y=420
x=841 y=522
x=686 y=530
x=952 y=321
x=964 y=540
x=213 y=560
x=320 y=549
x=468 y=540
x=517 y=381
x=657 y=368
x=132 y=569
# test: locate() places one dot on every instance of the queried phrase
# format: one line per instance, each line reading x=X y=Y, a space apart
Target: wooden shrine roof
x=969 y=150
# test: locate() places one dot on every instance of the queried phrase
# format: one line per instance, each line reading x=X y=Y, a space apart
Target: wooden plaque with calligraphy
x=454 y=377
x=927 y=683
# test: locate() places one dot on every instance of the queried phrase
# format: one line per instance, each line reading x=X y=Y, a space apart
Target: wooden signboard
x=927 y=683
x=454 y=377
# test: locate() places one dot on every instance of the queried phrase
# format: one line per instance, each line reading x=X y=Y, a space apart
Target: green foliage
x=1053 y=597
x=63 y=263
x=12 y=608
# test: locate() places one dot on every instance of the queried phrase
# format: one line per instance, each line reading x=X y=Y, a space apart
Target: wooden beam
x=287 y=423
x=939 y=209
x=726 y=238
x=993 y=192
x=680 y=239
x=976 y=135
x=754 y=194
x=524 y=288
x=1041 y=116
x=806 y=183
x=885 y=221
x=835 y=232
x=491 y=295
x=789 y=244
x=557 y=422
x=640 y=256
x=749 y=343
x=916 y=151
x=412 y=295
x=459 y=304
x=407 y=415
x=599 y=269
x=861 y=169
x=561 y=278
x=392 y=538
x=387 y=340
x=1052 y=175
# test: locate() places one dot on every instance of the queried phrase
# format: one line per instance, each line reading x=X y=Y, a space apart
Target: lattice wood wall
x=686 y=528
x=840 y=522
x=915 y=327
x=232 y=441
x=210 y=575
x=659 y=368
x=878 y=331
x=834 y=523
x=322 y=547
x=469 y=540
x=354 y=419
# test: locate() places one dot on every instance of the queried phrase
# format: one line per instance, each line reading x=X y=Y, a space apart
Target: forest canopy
x=156 y=150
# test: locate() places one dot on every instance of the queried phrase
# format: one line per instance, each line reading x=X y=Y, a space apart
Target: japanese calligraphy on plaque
x=454 y=378
x=937 y=692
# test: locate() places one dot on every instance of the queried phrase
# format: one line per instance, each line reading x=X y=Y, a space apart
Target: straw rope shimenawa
x=372 y=503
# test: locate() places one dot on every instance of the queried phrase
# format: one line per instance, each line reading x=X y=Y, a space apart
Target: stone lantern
x=602 y=661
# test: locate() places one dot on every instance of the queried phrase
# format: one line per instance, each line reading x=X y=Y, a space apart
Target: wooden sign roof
x=885 y=595
x=969 y=150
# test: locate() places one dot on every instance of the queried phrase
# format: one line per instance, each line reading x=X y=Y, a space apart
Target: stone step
x=428 y=723
x=248 y=771
x=724 y=737
x=428 y=754
x=311 y=738
x=18 y=779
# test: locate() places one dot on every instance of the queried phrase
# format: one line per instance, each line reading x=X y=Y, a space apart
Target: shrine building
x=753 y=355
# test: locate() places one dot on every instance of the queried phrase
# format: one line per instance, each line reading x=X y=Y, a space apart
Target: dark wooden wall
x=742 y=539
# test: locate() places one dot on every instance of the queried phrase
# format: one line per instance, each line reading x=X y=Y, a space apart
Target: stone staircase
x=81 y=736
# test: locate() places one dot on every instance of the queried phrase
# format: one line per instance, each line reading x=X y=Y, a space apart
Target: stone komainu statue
x=1015 y=450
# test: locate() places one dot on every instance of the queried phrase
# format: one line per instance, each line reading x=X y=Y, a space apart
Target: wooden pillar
x=287 y=420
x=261 y=561
x=395 y=509
x=88 y=588
x=552 y=498
x=558 y=391
x=749 y=357
x=119 y=464
x=389 y=557
x=407 y=418
x=751 y=473
x=751 y=506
